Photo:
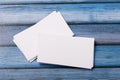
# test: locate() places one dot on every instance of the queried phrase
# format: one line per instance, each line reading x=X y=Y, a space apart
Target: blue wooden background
x=88 y=18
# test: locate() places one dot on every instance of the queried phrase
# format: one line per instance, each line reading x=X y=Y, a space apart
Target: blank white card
x=68 y=51
x=27 y=40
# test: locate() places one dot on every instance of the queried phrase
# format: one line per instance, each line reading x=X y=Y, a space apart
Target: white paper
x=68 y=51
x=27 y=40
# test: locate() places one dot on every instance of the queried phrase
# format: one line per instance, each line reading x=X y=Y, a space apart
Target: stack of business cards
x=51 y=41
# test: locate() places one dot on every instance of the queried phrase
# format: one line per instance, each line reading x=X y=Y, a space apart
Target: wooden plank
x=7 y=33
x=53 y=1
x=105 y=56
x=60 y=74
x=103 y=33
x=73 y=13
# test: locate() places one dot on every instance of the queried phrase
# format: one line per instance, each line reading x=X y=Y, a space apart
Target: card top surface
x=68 y=51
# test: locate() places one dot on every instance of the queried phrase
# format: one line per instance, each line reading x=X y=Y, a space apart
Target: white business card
x=27 y=40
x=68 y=51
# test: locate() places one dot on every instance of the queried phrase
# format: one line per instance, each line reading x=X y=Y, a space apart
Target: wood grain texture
x=52 y=1
x=103 y=33
x=60 y=74
x=73 y=13
x=17 y=15
x=105 y=56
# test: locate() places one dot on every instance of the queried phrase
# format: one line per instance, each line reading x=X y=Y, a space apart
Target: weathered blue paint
x=73 y=13
x=105 y=56
x=103 y=33
x=55 y=1
x=60 y=74
x=17 y=15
